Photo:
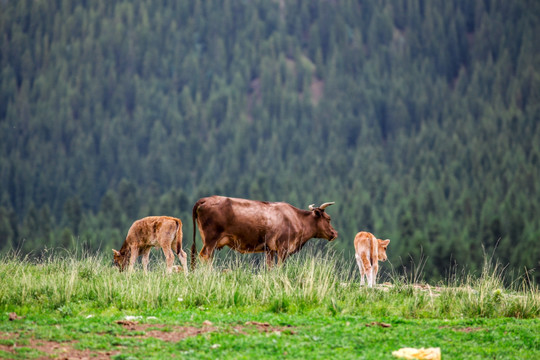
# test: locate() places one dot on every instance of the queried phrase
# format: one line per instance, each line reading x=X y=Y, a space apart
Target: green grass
x=313 y=305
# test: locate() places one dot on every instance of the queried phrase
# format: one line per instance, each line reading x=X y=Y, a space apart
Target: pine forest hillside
x=420 y=119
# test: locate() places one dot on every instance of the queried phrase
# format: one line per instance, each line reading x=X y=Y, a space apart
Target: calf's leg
x=366 y=265
x=360 y=267
x=183 y=259
x=374 y=271
x=133 y=258
x=146 y=258
x=169 y=256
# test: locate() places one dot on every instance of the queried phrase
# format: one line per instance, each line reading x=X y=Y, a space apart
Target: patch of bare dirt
x=177 y=333
x=53 y=349
x=67 y=350
x=168 y=333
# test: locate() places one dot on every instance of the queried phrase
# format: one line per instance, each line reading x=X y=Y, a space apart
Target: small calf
x=368 y=251
x=149 y=232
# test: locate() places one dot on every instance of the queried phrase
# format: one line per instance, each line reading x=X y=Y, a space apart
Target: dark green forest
x=420 y=119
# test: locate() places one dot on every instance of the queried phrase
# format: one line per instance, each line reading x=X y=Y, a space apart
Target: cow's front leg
x=270 y=255
x=282 y=256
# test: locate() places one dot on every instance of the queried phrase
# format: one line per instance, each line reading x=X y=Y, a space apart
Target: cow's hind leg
x=207 y=253
x=209 y=240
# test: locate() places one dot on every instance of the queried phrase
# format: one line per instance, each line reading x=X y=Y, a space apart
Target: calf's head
x=324 y=229
x=120 y=260
x=383 y=244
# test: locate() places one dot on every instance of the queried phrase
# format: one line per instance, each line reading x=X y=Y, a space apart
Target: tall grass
x=73 y=283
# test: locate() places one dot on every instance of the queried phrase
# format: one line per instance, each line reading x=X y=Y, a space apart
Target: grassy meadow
x=78 y=305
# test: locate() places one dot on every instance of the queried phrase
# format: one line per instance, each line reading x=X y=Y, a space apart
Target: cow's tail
x=194 y=245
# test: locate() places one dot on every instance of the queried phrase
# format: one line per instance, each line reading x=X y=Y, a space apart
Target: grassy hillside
x=311 y=308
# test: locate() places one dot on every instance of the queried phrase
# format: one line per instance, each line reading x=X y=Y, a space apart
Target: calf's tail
x=179 y=237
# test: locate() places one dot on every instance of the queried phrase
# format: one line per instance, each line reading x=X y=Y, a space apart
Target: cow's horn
x=325 y=205
x=311 y=207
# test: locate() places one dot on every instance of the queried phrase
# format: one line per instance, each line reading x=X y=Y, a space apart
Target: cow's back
x=234 y=213
x=243 y=224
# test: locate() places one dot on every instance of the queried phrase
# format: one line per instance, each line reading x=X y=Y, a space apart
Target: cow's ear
x=385 y=242
x=115 y=252
x=317 y=212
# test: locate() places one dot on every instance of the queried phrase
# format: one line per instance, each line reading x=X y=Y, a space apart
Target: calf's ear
x=115 y=252
x=385 y=242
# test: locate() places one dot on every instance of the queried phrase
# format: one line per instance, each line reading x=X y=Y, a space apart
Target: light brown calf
x=368 y=251
x=149 y=232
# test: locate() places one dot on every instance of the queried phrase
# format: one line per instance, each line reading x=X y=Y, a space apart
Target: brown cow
x=368 y=251
x=250 y=226
x=149 y=232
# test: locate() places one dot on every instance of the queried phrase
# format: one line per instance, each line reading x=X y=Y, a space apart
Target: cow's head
x=324 y=230
x=383 y=244
x=119 y=260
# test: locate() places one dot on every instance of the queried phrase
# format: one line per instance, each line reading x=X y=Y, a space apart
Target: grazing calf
x=149 y=232
x=368 y=251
